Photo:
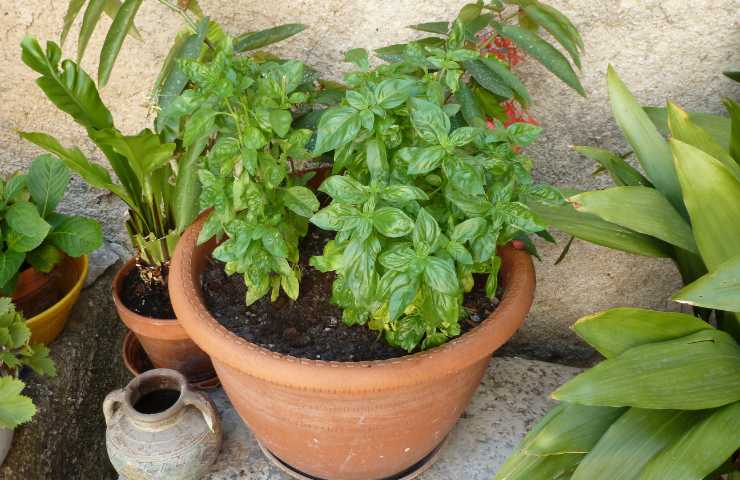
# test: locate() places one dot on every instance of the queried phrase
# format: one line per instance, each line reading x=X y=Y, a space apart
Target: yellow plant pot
x=47 y=325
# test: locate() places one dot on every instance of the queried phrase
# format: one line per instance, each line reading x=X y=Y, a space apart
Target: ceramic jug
x=158 y=428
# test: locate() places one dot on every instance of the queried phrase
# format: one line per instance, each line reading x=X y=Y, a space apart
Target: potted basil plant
x=368 y=331
x=156 y=172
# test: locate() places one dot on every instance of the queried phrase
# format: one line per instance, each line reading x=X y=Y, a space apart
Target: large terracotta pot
x=348 y=420
x=164 y=340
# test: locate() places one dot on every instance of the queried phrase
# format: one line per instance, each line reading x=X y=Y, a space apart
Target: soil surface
x=148 y=300
x=312 y=326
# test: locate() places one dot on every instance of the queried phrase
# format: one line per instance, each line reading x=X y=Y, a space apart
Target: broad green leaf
x=733 y=108
x=440 y=28
x=719 y=289
x=717 y=126
x=712 y=197
x=545 y=53
x=111 y=9
x=615 y=331
x=76 y=236
x=595 y=230
x=642 y=209
x=114 y=39
x=280 y=121
x=563 y=20
x=15 y=188
x=10 y=263
x=558 y=442
x=651 y=149
x=344 y=189
x=392 y=222
x=488 y=79
x=47 y=180
x=426 y=232
x=377 y=161
x=175 y=81
x=559 y=31
x=395 y=53
x=70 y=89
x=695 y=372
x=632 y=441
x=621 y=172
x=684 y=130
x=15 y=408
x=423 y=160
x=301 y=201
x=359 y=57
x=187 y=186
x=39 y=360
x=469 y=107
x=73 y=9
x=92 y=173
x=509 y=79
x=440 y=275
x=144 y=151
x=701 y=450
x=255 y=40
x=338 y=126
x=27 y=228
x=44 y=258
x=429 y=120
x=89 y=22
x=392 y=93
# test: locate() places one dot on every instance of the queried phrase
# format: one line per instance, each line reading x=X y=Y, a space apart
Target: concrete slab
x=511 y=398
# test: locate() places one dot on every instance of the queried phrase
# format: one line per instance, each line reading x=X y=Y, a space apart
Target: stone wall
x=662 y=48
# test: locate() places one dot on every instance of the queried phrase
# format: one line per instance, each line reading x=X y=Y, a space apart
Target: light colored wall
x=663 y=49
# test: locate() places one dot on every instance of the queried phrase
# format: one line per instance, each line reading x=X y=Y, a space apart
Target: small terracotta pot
x=62 y=286
x=35 y=291
x=347 y=420
x=164 y=340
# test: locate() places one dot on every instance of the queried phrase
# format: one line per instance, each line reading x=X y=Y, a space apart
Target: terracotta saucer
x=138 y=362
x=409 y=474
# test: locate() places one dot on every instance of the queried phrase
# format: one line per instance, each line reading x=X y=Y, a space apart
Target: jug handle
x=109 y=404
x=199 y=401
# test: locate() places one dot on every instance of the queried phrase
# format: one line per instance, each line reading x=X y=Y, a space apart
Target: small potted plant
x=156 y=169
x=17 y=353
x=389 y=315
x=43 y=252
x=667 y=394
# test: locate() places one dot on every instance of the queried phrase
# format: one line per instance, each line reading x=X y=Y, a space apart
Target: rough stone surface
x=101 y=259
x=662 y=48
x=511 y=398
x=66 y=438
x=590 y=279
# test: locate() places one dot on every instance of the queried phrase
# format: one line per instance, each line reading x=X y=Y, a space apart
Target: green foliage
x=31 y=231
x=678 y=375
x=248 y=177
x=426 y=194
x=15 y=353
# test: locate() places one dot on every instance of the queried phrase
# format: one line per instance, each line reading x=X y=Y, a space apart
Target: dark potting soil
x=312 y=326
x=149 y=300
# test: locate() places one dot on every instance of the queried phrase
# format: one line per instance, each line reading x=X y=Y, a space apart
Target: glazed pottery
x=164 y=340
x=6 y=439
x=348 y=420
x=35 y=291
x=66 y=282
x=158 y=428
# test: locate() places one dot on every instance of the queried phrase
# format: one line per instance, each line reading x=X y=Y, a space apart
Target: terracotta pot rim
x=168 y=328
x=236 y=352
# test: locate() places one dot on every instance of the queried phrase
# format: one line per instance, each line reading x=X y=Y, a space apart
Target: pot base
x=409 y=474
x=137 y=362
